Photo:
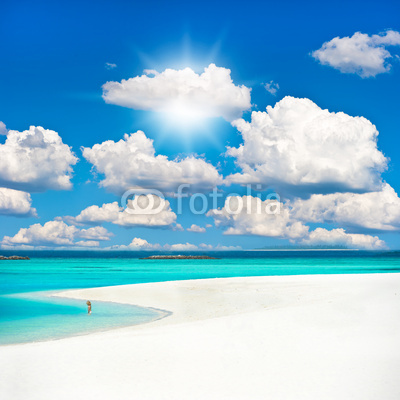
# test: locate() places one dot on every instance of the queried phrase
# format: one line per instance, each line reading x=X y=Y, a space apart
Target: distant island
x=14 y=258
x=179 y=257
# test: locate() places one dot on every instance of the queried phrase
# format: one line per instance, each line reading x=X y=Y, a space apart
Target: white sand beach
x=290 y=337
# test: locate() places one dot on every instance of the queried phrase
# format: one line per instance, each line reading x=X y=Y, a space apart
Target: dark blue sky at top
x=52 y=68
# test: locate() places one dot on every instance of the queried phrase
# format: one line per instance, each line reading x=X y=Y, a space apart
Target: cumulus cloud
x=3 y=129
x=35 y=160
x=136 y=244
x=95 y=233
x=182 y=247
x=210 y=94
x=372 y=211
x=178 y=227
x=250 y=215
x=142 y=244
x=202 y=246
x=56 y=233
x=272 y=87
x=87 y=243
x=151 y=72
x=360 y=54
x=298 y=147
x=16 y=203
x=339 y=237
x=219 y=247
x=196 y=228
x=132 y=163
x=139 y=212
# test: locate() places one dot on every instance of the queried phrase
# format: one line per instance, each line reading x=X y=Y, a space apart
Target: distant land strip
x=14 y=258
x=179 y=257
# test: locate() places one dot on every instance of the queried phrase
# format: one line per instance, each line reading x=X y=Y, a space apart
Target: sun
x=180 y=120
x=186 y=116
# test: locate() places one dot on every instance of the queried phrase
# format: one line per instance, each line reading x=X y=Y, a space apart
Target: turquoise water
x=34 y=317
x=28 y=314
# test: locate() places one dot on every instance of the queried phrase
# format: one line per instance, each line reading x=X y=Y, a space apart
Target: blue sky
x=55 y=56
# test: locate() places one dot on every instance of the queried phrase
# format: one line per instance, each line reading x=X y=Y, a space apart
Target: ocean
x=27 y=313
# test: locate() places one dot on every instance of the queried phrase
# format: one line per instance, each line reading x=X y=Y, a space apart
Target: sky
x=279 y=118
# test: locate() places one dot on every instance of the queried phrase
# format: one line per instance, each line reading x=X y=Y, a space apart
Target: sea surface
x=29 y=313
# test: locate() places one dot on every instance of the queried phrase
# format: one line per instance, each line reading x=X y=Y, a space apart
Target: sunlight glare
x=184 y=115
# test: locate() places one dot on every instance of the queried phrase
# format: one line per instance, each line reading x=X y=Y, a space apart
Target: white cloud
x=88 y=243
x=360 y=54
x=51 y=233
x=95 y=233
x=196 y=228
x=19 y=247
x=142 y=244
x=110 y=65
x=182 y=247
x=3 y=128
x=97 y=215
x=14 y=202
x=219 y=247
x=339 y=237
x=374 y=211
x=178 y=227
x=210 y=94
x=272 y=87
x=151 y=72
x=202 y=246
x=249 y=215
x=55 y=233
x=35 y=160
x=132 y=163
x=136 y=244
x=228 y=248
x=112 y=212
x=297 y=146
x=205 y=246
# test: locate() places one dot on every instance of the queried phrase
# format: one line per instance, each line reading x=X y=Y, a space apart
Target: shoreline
x=52 y=297
x=292 y=337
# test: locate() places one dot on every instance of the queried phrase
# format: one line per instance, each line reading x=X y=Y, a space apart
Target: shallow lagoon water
x=28 y=314
x=33 y=317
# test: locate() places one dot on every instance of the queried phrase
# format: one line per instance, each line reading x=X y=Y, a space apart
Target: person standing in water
x=89 y=307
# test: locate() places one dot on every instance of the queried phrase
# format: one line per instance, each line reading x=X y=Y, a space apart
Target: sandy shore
x=294 y=337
